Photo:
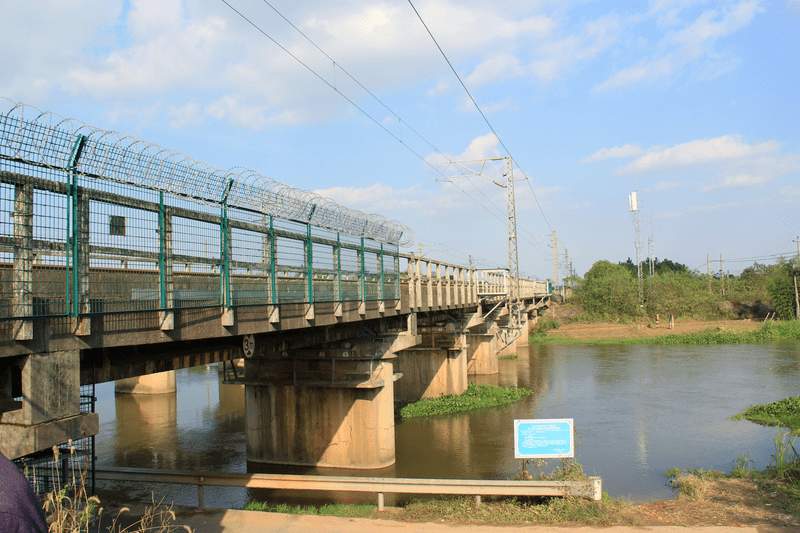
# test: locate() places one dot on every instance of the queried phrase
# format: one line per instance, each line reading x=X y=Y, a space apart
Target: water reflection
x=638 y=411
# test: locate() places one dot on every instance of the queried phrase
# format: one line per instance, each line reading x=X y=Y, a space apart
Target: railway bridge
x=121 y=260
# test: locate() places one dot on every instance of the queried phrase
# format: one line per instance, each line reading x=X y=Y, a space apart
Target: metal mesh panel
x=97 y=222
x=48 y=139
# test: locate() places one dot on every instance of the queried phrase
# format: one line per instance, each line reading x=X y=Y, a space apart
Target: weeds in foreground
x=779 y=483
x=565 y=510
x=70 y=509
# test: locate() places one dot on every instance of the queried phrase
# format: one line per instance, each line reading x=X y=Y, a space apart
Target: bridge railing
x=87 y=228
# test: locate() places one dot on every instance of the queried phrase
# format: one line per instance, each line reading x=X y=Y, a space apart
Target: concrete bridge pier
x=48 y=413
x=160 y=383
x=482 y=352
x=326 y=407
x=437 y=366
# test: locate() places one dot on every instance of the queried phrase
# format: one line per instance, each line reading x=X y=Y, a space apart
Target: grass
x=331 y=509
x=510 y=356
x=568 y=510
x=779 y=483
x=475 y=397
x=770 y=331
x=784 y=413
x=70 y=509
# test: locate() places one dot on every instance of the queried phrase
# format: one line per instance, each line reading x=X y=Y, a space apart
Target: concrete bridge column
x=160 y=383
x=482 y=354
x=438 y=366
x=48 y=413
x=340 y=424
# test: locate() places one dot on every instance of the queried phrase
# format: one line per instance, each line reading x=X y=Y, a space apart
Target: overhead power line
x=356 y=106
x=479 y=110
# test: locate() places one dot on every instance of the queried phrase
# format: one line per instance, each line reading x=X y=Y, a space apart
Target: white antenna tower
x=651 y=249
x=633 y=200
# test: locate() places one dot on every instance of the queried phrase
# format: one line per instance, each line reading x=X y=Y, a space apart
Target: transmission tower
x=633 y=199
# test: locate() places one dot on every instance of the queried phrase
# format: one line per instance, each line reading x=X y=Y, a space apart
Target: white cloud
x=377 y=198
x=664 y=186
x=698 y=152
x=694 y=41
x=740 y=180
x=628 y=150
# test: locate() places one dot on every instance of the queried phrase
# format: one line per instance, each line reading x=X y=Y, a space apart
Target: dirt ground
x=719 y=502
x=577 y=330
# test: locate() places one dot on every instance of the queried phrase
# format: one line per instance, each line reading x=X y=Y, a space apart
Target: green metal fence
x=89 y=226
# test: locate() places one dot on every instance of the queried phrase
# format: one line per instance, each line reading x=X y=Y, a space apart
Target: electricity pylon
x=512 y=303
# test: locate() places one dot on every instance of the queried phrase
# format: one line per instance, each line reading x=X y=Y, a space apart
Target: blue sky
x=692 y=103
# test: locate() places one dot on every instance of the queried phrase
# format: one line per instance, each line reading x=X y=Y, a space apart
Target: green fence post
x=162 y=238
x=225 y=280
x=272 y=257
x=338 y=253
x=71 y=245
x=383 y=279
x=310 y=263
x=362 y=286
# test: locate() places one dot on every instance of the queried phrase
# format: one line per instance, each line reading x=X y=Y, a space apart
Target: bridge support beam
x=161 y=383
x=339 y=424
x=49 y=412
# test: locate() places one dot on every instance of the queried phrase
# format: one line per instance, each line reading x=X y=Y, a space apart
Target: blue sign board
x=543 y=438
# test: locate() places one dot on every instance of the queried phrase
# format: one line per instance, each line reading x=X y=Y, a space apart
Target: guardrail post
x=380 y=502
x=430 y=284
x=201 y=503
x=22 y=284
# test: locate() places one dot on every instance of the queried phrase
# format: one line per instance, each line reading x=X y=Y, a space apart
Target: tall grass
x=71 y=509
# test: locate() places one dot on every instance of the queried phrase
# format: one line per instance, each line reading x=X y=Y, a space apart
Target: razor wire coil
x=47 y=139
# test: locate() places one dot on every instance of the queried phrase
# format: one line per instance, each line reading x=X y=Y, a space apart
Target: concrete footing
x=161 y=383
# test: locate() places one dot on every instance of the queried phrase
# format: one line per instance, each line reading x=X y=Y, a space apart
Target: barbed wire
x=48 y=139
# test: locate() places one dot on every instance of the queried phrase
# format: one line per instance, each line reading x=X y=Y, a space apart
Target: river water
x=638 y=411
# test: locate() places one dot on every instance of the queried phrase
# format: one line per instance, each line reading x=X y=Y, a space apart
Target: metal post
x=272 y=256
x=309 y=263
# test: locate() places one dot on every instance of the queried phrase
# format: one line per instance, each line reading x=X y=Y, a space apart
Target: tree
x=608 y=290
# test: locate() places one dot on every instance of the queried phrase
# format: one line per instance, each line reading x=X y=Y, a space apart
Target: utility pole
x=708 y=266
x=795 y=268
x=721 y=274
x=555 y=260
x=512 y=298
x=566 y=271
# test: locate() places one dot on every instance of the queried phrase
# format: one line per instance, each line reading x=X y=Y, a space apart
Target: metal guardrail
x=591 y=488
